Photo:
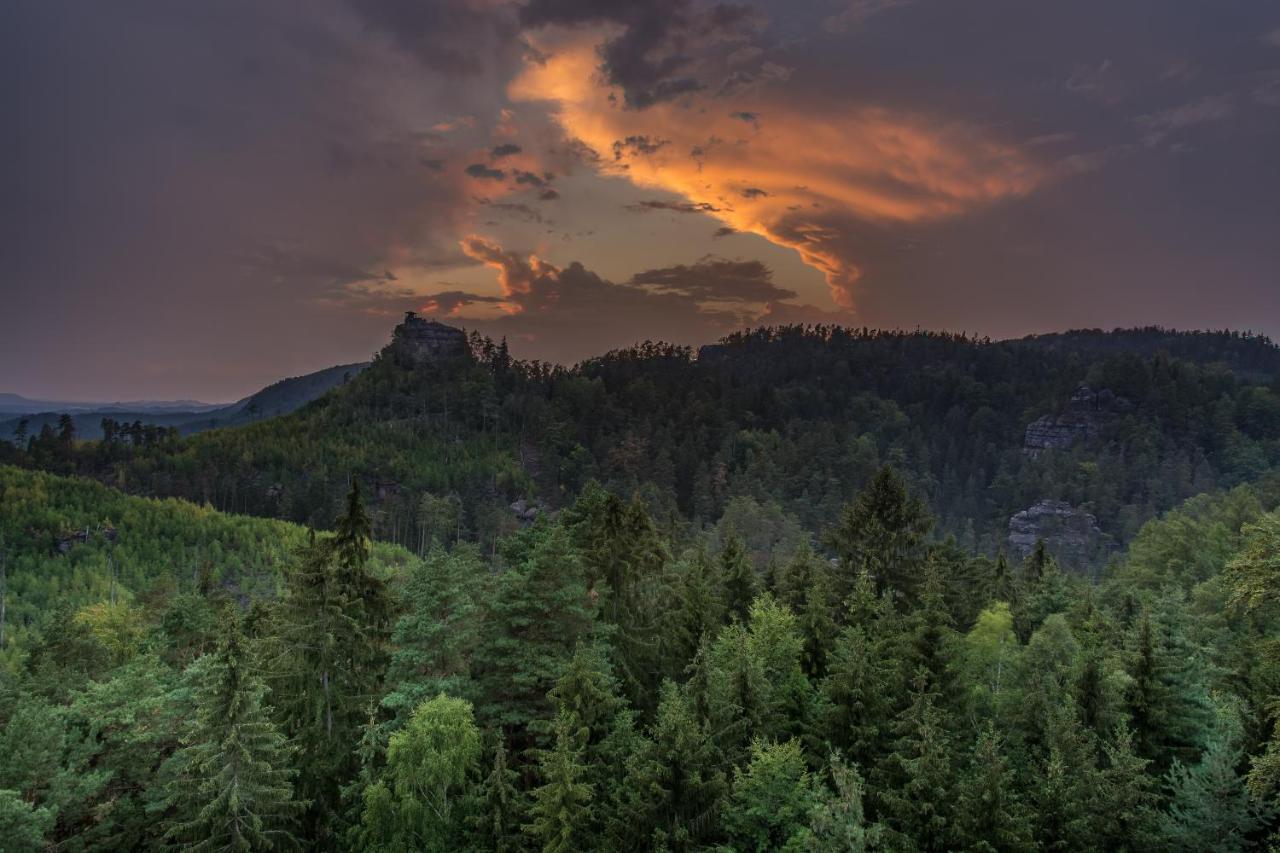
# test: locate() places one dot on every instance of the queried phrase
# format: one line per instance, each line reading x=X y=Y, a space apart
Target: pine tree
x=917 y=796
x=805 y=586
x=232 y=784
x=673 y=784
x=499 y=812
x=1209 y=805
x=990 y=817
x=882 y=533
x=561 y=805
x=535 y=618
x=738 y=578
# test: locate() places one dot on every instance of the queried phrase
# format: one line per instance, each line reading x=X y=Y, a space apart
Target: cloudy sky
x=199 y=198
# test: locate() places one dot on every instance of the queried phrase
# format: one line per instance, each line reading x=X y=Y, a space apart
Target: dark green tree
x=231 y=786
x=561 y=806
x=882 y=533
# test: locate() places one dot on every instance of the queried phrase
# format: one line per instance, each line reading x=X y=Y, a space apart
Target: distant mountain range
x=16 y=404
x=187 y=416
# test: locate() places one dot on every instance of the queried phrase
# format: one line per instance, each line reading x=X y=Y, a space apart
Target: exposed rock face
x=418 y=340
x=1071 y=535
x=1080 y=420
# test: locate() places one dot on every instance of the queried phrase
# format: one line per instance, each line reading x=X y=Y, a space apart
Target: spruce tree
x=535 y=618
x=917 y=792
x=805 y=586
x=738 y=578
x=499 y=812
x=436 y=637
x=561 y=806
x=673 y=786
x=990 y=815
x=882 y=533
x=232 y=782
x=1210 y=807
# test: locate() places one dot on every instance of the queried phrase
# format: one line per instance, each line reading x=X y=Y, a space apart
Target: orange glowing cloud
x=796 y=173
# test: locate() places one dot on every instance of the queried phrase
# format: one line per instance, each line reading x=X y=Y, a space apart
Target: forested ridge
x=762 y=604
x=793 y=418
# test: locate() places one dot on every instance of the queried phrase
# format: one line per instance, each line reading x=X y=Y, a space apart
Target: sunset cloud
x=568 y=313
x=805 y=179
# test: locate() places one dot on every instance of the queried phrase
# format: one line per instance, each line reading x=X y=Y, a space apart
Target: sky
x=197 y=199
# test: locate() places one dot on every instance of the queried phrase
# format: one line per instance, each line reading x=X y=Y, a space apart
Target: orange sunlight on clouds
x=801 y=175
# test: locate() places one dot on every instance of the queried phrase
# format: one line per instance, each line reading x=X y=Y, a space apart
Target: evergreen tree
x=232 y=780
x=327 y=655
x=673 y=785
x=863 y=678
x=917 y=795
x=738 y=578
x=699 y=609
x=561 y=805
x=990 y=816
x=839 y=822
x=805 y=586
x=773 y=798
x=534 y=621
x=436 y=637
x=499 y=814
x=1210 y=807
x=882 y=533
x=1127 y=797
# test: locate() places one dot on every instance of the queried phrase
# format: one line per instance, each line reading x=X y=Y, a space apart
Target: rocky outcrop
x=419 y=341
x=1071 y=535
x=1080 y=420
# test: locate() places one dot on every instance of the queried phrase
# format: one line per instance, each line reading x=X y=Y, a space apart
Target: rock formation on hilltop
x=1080 y=420
x=419 y=341
x=1071 y=535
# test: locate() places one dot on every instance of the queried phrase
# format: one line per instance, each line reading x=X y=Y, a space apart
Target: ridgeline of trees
x=611 y=680
x=795 y=419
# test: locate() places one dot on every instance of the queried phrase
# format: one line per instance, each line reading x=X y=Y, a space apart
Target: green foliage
x=419 y=799
x=772 y=799
x=22 y=826
x=561 y=805
x=882 y=534
x=1209 y=804
x=230 y=785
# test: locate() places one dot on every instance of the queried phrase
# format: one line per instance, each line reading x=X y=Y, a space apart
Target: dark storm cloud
x=504 y=150
x=647 y=205
x=666 y=48
x=715 y=279
x=483 y=172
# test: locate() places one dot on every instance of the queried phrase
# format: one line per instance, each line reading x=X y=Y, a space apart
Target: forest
x=761 y=602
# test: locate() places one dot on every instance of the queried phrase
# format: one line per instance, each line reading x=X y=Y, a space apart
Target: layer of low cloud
x=565 y=314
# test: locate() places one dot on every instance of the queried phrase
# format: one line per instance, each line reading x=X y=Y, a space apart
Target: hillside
x=68 y=541
x=791 y=418
x=279 y=398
